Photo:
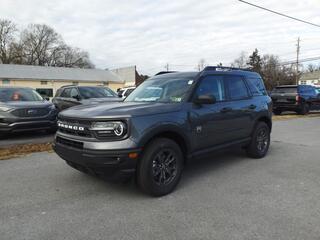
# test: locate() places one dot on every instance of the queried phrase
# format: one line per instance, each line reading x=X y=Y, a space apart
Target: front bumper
x=113 y=165
x=27 y=125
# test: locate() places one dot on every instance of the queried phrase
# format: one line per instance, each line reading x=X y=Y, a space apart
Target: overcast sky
x=151 y=33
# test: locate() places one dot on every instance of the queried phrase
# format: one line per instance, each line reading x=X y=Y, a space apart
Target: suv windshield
x=161 y=90
x=96 y=92
x=19 y=94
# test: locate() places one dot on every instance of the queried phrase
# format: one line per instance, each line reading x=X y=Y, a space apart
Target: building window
x=303 y=82
x=5 y=81
x=44 y=82
x=75 y=83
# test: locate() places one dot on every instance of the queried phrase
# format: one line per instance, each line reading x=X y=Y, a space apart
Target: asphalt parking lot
x=228 y=196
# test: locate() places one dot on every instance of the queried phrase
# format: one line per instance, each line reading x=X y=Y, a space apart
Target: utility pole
x=167 y=67
x=297 y=67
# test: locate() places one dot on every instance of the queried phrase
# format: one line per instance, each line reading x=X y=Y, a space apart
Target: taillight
x=298 y=98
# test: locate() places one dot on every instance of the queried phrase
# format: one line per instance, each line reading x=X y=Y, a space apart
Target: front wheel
x=260 y=141
x=160 y=167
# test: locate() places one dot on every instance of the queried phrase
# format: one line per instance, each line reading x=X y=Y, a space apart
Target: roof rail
x=164 y=72
x=216 y=68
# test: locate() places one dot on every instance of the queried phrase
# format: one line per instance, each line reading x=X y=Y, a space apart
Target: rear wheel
x=160 y=167
x=304 y=109
x=260 y=141
x=277 y=111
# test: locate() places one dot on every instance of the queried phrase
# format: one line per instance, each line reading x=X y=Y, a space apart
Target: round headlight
x=119 y=129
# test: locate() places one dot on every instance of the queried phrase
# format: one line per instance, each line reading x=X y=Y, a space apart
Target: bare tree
x=201 y=64
x=7 y=41
x=241 y=61
x=312 y=68
x=39 y=42
x=67 y=56
x=274 y=73
x=41 y=45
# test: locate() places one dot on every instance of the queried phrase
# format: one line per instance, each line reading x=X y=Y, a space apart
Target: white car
x=125 y=92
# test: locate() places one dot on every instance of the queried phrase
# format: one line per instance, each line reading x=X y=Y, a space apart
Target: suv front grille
x=31 y=112
x=85 y=132
x=84 y=125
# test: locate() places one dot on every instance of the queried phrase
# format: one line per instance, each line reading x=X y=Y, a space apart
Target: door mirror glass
x=205 y=99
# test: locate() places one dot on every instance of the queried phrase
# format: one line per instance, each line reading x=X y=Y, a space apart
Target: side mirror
x=205 y=99
x=47 y=98
x=119 y=95
x=77 y=97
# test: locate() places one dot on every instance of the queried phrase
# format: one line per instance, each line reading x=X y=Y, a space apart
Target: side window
x=256 y=86
x=74 y=92
x=236 y=87
x=66 y=93
x=212 y=85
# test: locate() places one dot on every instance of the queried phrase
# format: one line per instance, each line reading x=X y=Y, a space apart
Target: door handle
x=226 y=109
x=252 y=106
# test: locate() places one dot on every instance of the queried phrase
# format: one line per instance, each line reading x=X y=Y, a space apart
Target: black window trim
x=227 y=94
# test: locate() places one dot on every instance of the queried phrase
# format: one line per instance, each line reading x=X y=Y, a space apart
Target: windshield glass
x=161 y=90
x=19 y=94
x=96 y=92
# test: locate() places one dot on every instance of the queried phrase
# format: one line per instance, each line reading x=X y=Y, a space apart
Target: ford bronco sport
x=167 y=120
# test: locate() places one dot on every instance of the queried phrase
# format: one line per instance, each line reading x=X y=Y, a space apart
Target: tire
x=260 y=141
x=304 y=109
x=277 y=111
x=160 y=168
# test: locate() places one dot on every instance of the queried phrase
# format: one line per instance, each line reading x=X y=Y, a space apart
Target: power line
x=281 y=14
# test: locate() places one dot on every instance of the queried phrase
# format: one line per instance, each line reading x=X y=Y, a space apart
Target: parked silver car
x=23 y=109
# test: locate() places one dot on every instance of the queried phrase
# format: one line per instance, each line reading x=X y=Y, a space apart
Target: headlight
x=110 y=129
x=4 y=108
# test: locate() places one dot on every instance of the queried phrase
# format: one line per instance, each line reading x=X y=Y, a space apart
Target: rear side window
x=256 y=86
x=212 y=85
x=66 y=93
x=236 y=87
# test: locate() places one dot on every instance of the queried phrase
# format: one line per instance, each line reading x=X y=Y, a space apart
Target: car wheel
x=304 y=109
x=160 y=167
x=277 y=111
x=260 y=141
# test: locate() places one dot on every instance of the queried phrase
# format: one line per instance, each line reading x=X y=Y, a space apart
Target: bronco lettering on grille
x=72 y=127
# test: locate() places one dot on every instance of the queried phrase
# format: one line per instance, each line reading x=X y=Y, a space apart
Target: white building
x=312 y=78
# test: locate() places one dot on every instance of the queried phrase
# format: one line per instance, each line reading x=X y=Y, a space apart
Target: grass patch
x=21 y=150
x=294 y=116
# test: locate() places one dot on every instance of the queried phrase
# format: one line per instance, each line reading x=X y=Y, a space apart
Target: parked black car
x=300 y=99
x=72 y=95
x=167 y=120
x=23 y=109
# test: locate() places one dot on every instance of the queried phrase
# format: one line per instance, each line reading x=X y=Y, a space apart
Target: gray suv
x=23 y=109
x=168 y=120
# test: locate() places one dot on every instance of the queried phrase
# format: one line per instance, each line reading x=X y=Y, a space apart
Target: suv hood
x=119 y=109
x=100 y=100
